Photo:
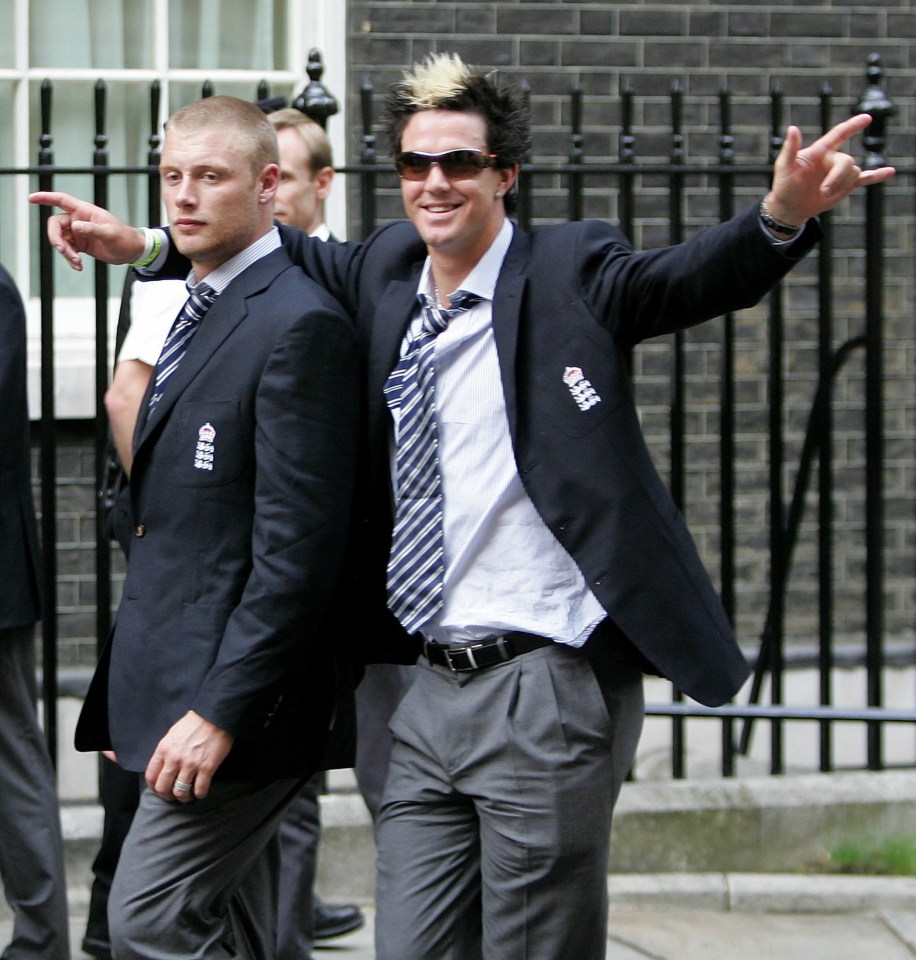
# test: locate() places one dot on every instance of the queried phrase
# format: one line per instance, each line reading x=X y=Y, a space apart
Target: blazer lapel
x=507 y=317
x=389 y=324
x=229 y=310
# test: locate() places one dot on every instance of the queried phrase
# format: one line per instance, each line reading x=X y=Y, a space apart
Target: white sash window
x=233 y=44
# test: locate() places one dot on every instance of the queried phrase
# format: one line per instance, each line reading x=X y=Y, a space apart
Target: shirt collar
x=482 y=278
x=225 y=273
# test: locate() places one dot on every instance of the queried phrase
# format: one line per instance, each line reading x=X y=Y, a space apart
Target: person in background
x=31 y=848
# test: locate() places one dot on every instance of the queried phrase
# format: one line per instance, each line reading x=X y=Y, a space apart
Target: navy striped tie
x=415 y=565
x=176 y=343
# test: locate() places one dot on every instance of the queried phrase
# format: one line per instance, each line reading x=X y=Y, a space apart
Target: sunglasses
x=454 y=164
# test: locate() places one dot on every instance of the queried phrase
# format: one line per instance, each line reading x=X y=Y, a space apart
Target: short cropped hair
x=316 y=140
x=247 y=122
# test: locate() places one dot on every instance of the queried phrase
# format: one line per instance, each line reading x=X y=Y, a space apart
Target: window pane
x=7 y=183
x=7 y=52
x=108 y=34
x=227 y=34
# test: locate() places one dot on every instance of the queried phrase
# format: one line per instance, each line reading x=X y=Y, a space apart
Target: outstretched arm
x=85 y=228
x=811 y=180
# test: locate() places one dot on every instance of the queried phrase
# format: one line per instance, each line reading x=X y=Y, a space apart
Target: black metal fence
x=633 y=184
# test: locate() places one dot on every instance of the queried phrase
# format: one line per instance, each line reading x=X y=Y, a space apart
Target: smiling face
x=457 y=219
x=216 y=203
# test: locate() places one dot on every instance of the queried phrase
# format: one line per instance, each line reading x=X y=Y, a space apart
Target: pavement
x=722 y=917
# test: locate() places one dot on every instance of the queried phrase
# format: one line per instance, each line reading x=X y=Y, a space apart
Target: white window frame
x=312 y=23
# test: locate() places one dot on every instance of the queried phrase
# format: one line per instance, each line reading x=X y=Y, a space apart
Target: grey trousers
x=377 y=697
x=198 y=881
x=494 y=832
x=31 y=850
x=300 y=830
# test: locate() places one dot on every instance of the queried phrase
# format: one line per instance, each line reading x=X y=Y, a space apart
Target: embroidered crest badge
x=580 y=388
x=203 y=454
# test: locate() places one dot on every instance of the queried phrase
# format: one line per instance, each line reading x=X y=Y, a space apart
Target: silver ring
x=183 y=787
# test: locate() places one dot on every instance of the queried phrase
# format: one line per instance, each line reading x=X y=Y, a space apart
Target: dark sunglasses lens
x=461 y=164
x=413 y=166
x=456 y=164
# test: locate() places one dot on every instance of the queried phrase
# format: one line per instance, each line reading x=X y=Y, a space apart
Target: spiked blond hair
x=439 y=78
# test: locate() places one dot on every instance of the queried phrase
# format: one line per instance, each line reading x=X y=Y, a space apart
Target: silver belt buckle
x=452 y=658
x=467 y=652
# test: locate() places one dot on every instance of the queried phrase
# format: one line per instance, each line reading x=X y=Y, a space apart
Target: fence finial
x=875 y=102
x=316 y=101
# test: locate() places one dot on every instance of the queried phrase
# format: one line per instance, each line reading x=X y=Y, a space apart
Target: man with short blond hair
x=219 y=684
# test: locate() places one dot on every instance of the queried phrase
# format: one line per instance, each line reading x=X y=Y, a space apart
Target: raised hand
x=85 y=228
x=810 y=180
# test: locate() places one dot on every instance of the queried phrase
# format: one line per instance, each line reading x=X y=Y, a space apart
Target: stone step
x=752 y=825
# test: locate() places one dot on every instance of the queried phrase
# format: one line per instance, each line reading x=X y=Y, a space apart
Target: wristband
x=770 y=221
x=152 y=248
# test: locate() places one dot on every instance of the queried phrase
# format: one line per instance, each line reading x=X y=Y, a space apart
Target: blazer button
x=140 y=530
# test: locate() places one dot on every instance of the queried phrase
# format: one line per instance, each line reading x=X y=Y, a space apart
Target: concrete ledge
x=763 y=893
x=703 y=844
x=760 y=824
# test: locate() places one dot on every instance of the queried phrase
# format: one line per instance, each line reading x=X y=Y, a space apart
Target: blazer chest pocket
x=212 y=447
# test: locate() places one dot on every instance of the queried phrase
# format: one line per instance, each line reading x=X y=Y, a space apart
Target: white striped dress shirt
x=504 y=569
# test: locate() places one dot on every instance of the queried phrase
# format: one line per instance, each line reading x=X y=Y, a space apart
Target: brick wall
x=76 y=542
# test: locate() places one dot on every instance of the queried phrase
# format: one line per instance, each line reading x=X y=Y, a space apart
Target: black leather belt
x=487 y=653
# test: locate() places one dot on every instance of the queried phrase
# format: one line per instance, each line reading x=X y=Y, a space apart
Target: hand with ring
x=182 y=765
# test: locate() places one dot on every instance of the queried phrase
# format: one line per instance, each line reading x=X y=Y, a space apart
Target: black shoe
x=96 y=947
x=333 y=922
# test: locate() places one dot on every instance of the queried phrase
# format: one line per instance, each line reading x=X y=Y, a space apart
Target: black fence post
x=154 y=184
x=368 y=159
x=726 y=190
x=524 y=185
x=677 y=416
x=876 y=103
x=775 y=626
x=825 y=476
x=49 y=627
x=576 y=153
x=100 y=270
x=626 y=154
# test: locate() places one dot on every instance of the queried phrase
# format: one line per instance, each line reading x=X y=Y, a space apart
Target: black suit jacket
x=241 y=491
x=574 y=297
x=20 y=604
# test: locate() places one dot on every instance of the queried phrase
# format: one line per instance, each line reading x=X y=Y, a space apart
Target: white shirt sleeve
x=153 y=308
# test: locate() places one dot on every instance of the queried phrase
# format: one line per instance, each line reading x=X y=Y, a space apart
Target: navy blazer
x=241 y=491
x=571 y=301
x=20 y=604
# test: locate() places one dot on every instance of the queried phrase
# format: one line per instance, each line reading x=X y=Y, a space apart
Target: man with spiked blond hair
x=518 y=540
